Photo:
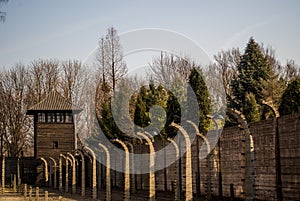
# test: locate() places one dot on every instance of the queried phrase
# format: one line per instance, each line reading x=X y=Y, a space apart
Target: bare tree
x=21 y=88
x=219 y=74
x=286 y=72
x=110 y=58
x=74 y=79
x=77 y=87
x=44 y=77
x=101 y=60
x=291 y=70
x=167 y=68
x=226 y=66
x=14 y=124
x=270 y=55
x=274 y=87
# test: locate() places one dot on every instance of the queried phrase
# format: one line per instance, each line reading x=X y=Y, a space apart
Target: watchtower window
x=59 y=117
x=41 y=117
x=51 y=117
x=69 y=118
x=55 y=144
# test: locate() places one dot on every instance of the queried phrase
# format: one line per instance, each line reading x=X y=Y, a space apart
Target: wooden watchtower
x=54 y=130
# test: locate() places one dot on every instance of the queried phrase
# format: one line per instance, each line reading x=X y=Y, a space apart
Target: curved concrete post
x=127 y=171
x=188 y=163
x=175 y=145
x=70 y=160
x=177 y=194
x=200 y=135
x=249 y=152
x=149 y=136
x=54 y=172
x=274 y=108
x=140 y=165
x=50 y=175
x=46 y=169
x=209 y=196
x=94 y=174
x=108 y=185
x=60 y=174
x=73 y=173
x=133 y=179
x=82 y=172
x=214 y=118
x=152 y=193
x=67 y=173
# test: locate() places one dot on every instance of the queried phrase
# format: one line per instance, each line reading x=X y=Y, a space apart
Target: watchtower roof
x=53 y=102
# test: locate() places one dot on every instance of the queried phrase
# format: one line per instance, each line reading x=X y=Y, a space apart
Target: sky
x=71 y=29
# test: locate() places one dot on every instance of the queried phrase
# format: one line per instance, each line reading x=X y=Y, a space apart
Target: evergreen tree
x=105 y=118
x=173 y=115
x=156 y=105
x=252 y=70
x=146 y=99
x=199 y=87
x=106 y=122
x=273 y=89
x=290 y=101
x=141 y=117
x=176 y=105
x=252 y=109
x=121 y=102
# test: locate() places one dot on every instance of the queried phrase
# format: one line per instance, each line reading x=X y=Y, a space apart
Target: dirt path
x=117 y=195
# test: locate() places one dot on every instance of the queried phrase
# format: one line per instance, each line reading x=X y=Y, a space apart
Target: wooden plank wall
x=47 y=133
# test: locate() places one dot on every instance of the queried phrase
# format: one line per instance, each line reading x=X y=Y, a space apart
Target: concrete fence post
x=50 y=176
x=25 y=191
x=46 y=170
x=18 y=175
x=177 y=187
x=152 y=192
x=127 y=171
x=54 y=172
x=188 y=163
x=60 y=173
x=82 y=173
x=94 y=173
x=209 y=196
x=108 y=182
x=37 y=193
x=30 y=193
x=73 y=173
x=15 y=183
x=46 y=196
x=249 y=156
x=67 y=173
x=67 y=176
x=133 y=176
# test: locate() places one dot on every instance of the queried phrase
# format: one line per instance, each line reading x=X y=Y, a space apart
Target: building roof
x=53 y=102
